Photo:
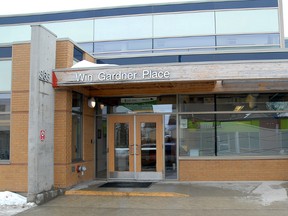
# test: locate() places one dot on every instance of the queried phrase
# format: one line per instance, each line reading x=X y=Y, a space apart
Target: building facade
x=188 y=91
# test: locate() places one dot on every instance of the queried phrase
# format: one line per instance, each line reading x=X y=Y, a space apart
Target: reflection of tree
x=148 y=133
x=121 y=135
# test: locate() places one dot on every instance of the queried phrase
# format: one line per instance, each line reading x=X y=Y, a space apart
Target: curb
x=126 y=194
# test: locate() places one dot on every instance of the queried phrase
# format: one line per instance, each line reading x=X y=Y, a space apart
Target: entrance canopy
x=175 y=78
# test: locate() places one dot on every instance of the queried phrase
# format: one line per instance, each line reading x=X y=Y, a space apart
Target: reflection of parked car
x=148 y=155
x=170 y=154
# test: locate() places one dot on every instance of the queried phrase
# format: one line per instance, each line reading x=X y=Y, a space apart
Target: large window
x=4 y=126
x=5 y=74
x=10 y=34
x=76 y=30
x=229 y=125
x=77 y=132
x=184 y=24
x=134 y=27
x=247 y=21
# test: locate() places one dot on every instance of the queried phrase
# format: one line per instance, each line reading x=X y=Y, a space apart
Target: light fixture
x=91 y=102
x=238 y=108
x=102 y=106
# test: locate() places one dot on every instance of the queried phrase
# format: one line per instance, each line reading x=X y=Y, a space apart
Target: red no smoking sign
x=42 y=135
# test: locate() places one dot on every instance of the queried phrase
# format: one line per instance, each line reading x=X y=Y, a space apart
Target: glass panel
x=196 y=135
x=123 y=47
x=196 y=103
x=5 y=102
x=79 y=31
x=77 y=102
x=5 y=73
x=255 y=39
x=4 y=140
x=10 y=34
x=77 y=126
x=170 y=147
x=101 y=147
x=254 y=102
x=121 y=144
x=88 y=47
x=148 y=146
x=286 y=43
x=185 y=24
x=259 y=134
x=187 y=43
x=4 y=127
x=160 y=104
x=78 y=54
x=247 y=21
x=123 y=28
x=76 y=137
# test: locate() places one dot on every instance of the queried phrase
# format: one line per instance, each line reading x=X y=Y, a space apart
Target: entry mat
x=127 y=184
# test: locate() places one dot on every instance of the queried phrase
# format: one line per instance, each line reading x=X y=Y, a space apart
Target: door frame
x=135 y=172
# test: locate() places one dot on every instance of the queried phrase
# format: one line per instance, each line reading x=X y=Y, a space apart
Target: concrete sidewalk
x=174 y=198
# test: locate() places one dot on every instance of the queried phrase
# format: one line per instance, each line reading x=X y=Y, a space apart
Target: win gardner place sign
x=122 y=76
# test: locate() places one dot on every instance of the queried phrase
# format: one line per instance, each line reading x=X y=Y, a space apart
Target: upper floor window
x=5 y=73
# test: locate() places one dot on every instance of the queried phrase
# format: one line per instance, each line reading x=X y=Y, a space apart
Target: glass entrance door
x=135 y=147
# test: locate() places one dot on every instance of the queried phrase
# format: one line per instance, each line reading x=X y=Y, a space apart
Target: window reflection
x=252 y=39
x=121 y=134
x=5 y=126
x=170 y=147
x=160 y=104
x=123 y=47
x=255 y=136
x=6 y=75
x=248 y=125
x=247 y=21
x=77 y=132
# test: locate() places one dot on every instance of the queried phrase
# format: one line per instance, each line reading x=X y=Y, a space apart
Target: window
x=10 y=34
x=5 y=73
x=184 y=24
x=122 y=28
x=185 y=43
x=78 y=54
x=233 y=125
x=123 y=47
x=4 y=126
x=197 y=135
x=77 y=133
x=80 y=31
x=247 y=21
x=253 y=40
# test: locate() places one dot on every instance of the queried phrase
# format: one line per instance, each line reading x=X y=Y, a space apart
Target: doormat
x=127 y=184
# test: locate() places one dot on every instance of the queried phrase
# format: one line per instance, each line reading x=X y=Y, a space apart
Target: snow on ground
x=264 y=192
x=13 y=203
x=270 y=192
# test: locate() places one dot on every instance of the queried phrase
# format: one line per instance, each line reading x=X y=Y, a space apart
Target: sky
x=35 y=6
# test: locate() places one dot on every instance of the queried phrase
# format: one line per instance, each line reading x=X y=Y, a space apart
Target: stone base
x=44 y=197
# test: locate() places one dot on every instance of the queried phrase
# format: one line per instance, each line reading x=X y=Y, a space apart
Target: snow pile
x=13 y=203
x=9 y=198
x=270 y=192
